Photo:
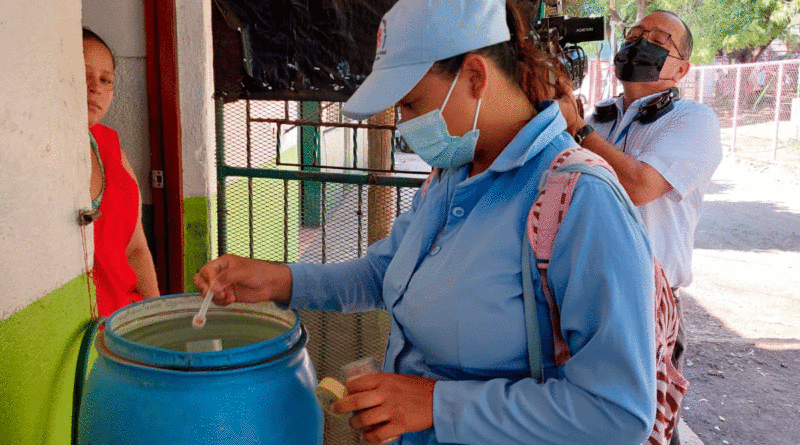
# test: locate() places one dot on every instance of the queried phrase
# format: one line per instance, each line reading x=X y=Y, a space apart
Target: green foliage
x=743 y=26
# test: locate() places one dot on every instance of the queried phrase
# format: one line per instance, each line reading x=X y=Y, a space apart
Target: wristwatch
x=581 y=134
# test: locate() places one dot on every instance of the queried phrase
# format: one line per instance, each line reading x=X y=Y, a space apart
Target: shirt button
x=434 y=250
x=458 y=212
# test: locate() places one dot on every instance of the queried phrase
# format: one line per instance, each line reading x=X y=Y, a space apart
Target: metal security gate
x=298 y=182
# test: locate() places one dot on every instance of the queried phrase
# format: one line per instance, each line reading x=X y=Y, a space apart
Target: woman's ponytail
x=541 y=76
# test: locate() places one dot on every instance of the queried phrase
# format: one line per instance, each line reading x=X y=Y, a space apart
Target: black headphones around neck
x=648 y=113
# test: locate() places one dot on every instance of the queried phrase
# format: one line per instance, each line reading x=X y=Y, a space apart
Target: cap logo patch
x=381 y=40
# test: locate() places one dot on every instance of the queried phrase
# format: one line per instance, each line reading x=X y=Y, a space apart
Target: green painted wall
x=38 y=355
x=196 y=240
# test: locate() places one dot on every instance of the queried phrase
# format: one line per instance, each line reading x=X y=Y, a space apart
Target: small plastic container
x=330 y=390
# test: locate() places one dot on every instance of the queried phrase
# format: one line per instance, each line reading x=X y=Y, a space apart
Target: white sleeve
x=684 y=146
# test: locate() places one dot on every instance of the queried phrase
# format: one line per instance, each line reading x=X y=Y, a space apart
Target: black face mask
x=640 y=61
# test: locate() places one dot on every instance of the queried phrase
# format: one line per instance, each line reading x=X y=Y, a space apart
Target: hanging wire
x=90 y=329
x=93 y=311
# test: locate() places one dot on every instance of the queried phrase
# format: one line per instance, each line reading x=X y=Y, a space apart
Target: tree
x=741 y=30
x=737 y=29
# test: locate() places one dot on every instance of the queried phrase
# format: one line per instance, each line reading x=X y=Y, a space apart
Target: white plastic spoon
x=199 y=319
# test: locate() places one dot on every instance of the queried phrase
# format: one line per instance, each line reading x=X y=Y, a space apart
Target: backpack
x=544 y=219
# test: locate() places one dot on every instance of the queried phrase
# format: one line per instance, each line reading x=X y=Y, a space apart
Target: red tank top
x=113 y=275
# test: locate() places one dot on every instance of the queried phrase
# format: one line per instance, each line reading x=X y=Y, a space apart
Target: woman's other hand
x=571 y=107
x=386 y=405
x=234 y=278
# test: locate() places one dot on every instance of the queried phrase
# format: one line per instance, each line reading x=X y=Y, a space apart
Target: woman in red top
x=123 y=269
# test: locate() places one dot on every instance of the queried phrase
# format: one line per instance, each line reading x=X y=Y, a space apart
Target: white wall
x=44 y=150
x=121 y=24
x=196 y=80
x=44 y=147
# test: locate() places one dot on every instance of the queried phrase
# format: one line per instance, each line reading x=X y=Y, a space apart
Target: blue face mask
x=427 y=135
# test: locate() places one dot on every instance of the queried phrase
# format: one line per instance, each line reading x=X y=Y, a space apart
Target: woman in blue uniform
x=472 y=89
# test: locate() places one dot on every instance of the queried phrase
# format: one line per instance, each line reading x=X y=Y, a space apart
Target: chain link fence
x=298 y=182
x=758 y=105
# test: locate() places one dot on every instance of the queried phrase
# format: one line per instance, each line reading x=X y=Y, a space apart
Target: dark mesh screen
x=294 y=49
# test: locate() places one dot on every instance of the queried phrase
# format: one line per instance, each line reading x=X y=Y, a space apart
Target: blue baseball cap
x=415 y=34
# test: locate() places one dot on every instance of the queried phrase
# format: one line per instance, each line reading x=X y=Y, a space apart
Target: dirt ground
x=743 y=308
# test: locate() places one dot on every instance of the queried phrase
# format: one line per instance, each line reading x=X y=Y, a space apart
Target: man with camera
x=664 y=149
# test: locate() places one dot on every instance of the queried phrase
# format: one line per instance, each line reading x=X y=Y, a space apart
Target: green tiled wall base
x=38 y=355
x=195 y=239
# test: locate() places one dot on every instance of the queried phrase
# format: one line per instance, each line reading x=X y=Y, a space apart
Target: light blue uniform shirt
x=450 y=275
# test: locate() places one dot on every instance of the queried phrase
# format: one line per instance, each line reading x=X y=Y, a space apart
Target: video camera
x=561 y=35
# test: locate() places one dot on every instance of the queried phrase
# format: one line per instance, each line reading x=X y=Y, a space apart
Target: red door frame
x=165 y=142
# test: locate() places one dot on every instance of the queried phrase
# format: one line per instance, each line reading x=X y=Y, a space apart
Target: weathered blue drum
x=244 y=378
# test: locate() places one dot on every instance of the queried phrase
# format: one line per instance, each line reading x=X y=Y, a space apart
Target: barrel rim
x=147 y=355
x=103 y=350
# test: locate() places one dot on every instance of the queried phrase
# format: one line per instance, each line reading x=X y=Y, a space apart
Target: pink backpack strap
x=544 y=220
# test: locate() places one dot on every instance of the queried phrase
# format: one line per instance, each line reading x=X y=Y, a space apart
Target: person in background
x=123 y=269
x=473 y=90
x=664 y=149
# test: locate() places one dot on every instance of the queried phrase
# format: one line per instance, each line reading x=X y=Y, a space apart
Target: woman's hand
x=387 y=405
x=234 y=278
x=571 y=108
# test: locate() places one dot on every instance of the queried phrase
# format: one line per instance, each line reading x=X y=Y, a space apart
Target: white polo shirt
x=684 y=146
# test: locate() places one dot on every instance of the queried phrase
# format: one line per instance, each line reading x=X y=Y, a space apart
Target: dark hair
x=687 y=43
x=540 y=75
x=91 y=35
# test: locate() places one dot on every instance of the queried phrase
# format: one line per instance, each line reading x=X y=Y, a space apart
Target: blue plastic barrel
x=244 y=378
